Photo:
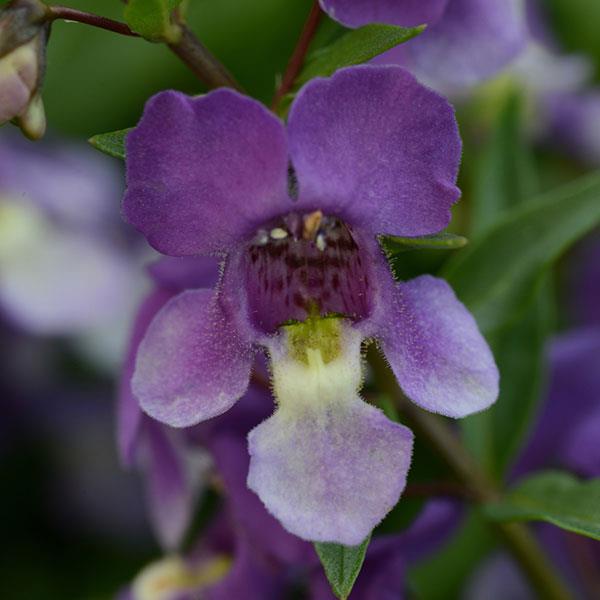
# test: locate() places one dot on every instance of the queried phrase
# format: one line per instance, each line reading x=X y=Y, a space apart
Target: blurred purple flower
x=465 y=42
x=66 y=267
x=371 y=151
x=563 y=109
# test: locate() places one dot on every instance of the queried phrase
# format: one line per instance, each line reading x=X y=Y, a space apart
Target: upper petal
x=433 y=344
x=376 y=148
x=191 y=364
x=407 y=13
x=203 y=172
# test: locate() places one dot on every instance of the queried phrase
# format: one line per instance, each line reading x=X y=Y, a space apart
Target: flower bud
x=24 y=31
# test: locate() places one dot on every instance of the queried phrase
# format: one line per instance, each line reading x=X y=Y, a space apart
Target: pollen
x=278 y=233
x=312 y=222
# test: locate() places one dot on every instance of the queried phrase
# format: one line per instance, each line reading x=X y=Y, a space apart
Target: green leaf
x=554 y=497
x=496 y=435
x=342 y=565
x=505 y=178
x=112 y=143
x=353 y=48
x=151 y=18
x=439 y=241
x=505 y=175
x=496 y=275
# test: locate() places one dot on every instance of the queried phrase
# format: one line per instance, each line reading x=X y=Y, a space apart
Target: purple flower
x=465 y=42
x=408 y=13
x=66 y=267
x=295 y=213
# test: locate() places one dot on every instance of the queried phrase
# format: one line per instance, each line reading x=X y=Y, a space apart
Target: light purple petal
x=129 y=414
x=330 y=474
x=191 y=365
x=581 y=451
x=378 y=149
x=73 y=184
x=436 y=351
x=408 y=13
x=573 y=123
x=175 y=476
x=574 y=392
x=472 y=41
x=40 y=294
x=498 y=578
x=203 y=172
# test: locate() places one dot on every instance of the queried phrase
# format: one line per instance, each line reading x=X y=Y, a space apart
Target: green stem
x=201 y=61
x=70 y=14
x=299 y=54
x=516 y=537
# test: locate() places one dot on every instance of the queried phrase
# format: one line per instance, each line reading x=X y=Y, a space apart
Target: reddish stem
x=71 y=14
x=297 y=59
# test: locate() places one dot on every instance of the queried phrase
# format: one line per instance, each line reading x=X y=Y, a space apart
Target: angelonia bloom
x=244 y=552
x=466 y=41
x=67 y=266
x=294 y=213
x=24 y=34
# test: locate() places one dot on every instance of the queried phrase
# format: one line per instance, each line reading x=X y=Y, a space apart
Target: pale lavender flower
x=370 y=151
x=66 y=266
x=466 y=41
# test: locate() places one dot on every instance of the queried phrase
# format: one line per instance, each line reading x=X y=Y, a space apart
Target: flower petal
x=441 y=360
x=472 y=41
x=129 y=414
x=175 y=477
x=39 y=294
x=377 y=148
x=203 y=172
x=408 y=13
x=330 y=476
x=326 y=464
x=247 y=512
x=574 y=388
x=191 y=365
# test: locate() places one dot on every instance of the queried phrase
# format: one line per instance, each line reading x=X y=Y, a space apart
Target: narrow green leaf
x=342 y=565
x=439 y=241
x=504 y=178
x=150 y=18
x=112 y=143
x=353 y=48
x=496 y=435
x=505 y=175
x=496 y=276
x=554 y=497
